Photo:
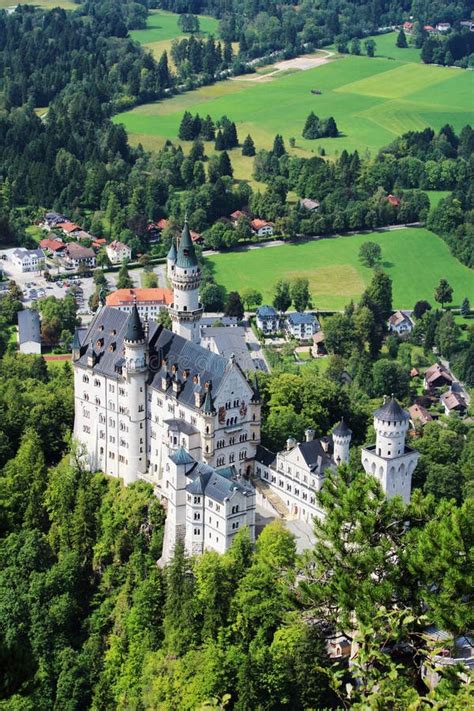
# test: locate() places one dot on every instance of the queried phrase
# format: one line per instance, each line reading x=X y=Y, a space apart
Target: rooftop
x=29 y=327
x=266 y=311
x=130 y=296
x=296 y=318
x=391 y=410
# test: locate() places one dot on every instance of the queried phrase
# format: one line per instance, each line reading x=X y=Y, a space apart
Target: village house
x=149 y=302
x=267 y=319
x=27 y=260
x=237 y=215
x=453 y=401
x=467 y=24
x=69 y=228
x=443 y=26
x=393 y=200
x=437 y=376
x=419 y=415
x=301 y=325
x=318 y=348
x=309 y=205
x=75 y=255
x=29 y=332
x=261 y=228
x=400 y=322
x=52 y=219
x=118 y=252
x=52 y=246
x=408 y=27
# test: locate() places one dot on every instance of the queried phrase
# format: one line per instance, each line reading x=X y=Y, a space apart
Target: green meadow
x=415 y=259
x=162 y=28
x=372 y=100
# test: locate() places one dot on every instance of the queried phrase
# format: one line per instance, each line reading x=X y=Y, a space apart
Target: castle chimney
x=309 y=434
x=290 y=443
x=325 y=443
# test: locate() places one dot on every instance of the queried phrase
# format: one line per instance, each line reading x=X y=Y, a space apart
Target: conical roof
x=172 y=253
x=76 y=343
x=208 y=405
x=342 y=429
x=391 y=410
x=186 y=257
x=181 y=456
x=134 y=332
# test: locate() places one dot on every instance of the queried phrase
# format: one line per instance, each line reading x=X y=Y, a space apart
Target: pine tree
x=331 y=128
x=219 y=145
x=208 y=131
x=225 y=166
x=186 y=128
x=248 y=146
x=163 y=71
x=311 y=127
x=228 y=54
x=465 y=307
x=278 y=146
x=402 y=40
x=196 y=126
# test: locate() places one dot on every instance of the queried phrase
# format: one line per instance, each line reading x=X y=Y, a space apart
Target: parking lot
x=35 y=286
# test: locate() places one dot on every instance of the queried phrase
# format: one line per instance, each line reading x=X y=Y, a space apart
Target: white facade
x=389 y=459
x=301 y=325
x=27 y=260
x=400 y=322
x=118 y=252
x=297 y=473
x=267 y=319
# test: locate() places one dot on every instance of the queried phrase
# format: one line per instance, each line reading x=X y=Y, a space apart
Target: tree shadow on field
x=388 y=265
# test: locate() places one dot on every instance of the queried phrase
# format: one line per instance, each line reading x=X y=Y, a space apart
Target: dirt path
x=64 y=357
x=306 y=61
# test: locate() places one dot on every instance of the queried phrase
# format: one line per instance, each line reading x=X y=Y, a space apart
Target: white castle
x=153 y=404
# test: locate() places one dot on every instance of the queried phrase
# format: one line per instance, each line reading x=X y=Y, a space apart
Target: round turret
x=391 y=423
x=341 y=437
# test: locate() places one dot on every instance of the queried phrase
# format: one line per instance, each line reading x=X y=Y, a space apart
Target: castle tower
x=341 y=437
x=171 y=260
x=135 y=372
x=389 y=459
x=208 y=413
x=186 y=311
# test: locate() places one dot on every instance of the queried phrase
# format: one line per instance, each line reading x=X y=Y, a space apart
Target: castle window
x=197 y=531
x=218 y=508
x=85 y=379
x=86 y=397
x=189 y=497
x=231 y=458
x=140 y=408
x=197 y=499
x=265 y=475
x=112 y=455
x=273 y=478
x=121 y=391
x=112 y=439
x=100 y=343
x=197 y=516
x=101 y=434
x=101 y=450
x=111 y=388
x=87 y=429
x=97 y=401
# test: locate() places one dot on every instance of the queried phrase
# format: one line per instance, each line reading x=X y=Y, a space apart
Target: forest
x=88 y=620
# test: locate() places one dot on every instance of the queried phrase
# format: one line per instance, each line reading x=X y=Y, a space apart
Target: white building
x=118 y=252
x=261 y=228
x=389 y=459
x=27 y=260
x=29 y=332
x=296 y=474
x=400 y=322
x=267 y=319
x=302 y=326
x=142 y=393
x=76 y=254
x=149 y=302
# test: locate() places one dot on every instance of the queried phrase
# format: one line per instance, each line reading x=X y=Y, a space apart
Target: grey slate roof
x=314 y=454
x=214 y=485
x=391 y=410
x=172 y=253
x=163 y=344
x=22 y=252
x=181 y=426
x=29 y=327
x=230 y=341
x=264 y=456
x=342 y=429
x=182 y=456
x=135 y=332
x=296 y=318
x=266 y=311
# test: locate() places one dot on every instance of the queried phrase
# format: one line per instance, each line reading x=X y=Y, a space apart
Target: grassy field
x=162 y=29
x=372 y=100
x=415 y=258
x=436 y=195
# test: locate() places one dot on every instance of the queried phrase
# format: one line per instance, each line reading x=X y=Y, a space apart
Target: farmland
x=415 y=259
x=162 y=28
x=372 y=100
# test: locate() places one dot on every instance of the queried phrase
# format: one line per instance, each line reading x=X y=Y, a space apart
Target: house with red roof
x=261 y=228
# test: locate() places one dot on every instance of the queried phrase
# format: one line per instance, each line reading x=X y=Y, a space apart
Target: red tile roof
x=68 y=227
x=128 y=296
x=393 y=200
x=257 y=224
x=54 y=245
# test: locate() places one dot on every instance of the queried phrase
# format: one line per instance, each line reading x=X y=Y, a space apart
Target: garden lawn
x=415 y=259
x=373 y=102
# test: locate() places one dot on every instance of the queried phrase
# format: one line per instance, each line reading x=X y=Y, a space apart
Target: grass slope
x=162 y=28
x=415 y=258
x=372 y=100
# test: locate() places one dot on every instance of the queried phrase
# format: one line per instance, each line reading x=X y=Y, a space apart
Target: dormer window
x=100 y=343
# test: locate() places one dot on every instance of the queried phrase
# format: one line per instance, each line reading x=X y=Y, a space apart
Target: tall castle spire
x=185 y=276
